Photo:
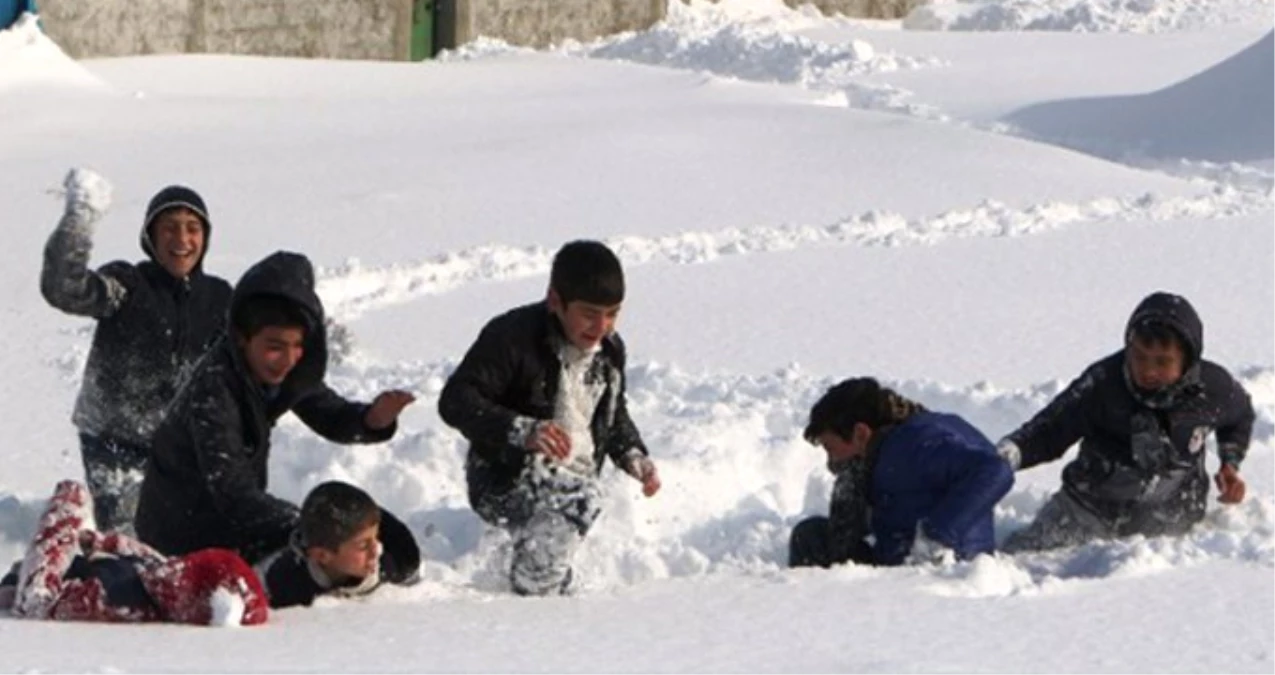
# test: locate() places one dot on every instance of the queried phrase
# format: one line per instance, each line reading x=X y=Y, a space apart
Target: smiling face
x=273 y=352
x=585 y=324
x=177 y=237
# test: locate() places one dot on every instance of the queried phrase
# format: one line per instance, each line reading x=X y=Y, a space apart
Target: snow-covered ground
x=968 y=215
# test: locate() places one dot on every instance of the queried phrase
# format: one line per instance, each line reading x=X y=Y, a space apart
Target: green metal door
x=422 y=29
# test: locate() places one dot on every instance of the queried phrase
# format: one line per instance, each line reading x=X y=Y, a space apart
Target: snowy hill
x=797 y=200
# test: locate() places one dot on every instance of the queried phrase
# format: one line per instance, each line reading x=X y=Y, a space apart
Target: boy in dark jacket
x=72 y=572
x=205 y=484
x=154 y=318
x=1141 y=416
x=541 y=398
x=345 y=546
x=923 y=484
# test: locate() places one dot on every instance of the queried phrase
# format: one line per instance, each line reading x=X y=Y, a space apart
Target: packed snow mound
x=1088 y=16
x=29 y=57
x=754 y=41
x=1223 y=114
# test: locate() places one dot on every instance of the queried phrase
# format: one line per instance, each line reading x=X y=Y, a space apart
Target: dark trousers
x=548 y=512
x=113 y=471
x=811 y=545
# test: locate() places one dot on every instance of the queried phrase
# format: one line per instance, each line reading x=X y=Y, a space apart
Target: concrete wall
x=868 y=9
x=349 y=29
x=539 y=23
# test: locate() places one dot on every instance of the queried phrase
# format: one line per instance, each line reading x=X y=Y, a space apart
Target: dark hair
x=858 y=400
x=1156 y=332
x=334 y=512
x=264 y=311
x=587 y=271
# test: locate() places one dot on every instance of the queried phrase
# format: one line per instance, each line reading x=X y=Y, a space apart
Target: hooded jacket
x=151 y=326
x=1141 y=460
x=206 y=481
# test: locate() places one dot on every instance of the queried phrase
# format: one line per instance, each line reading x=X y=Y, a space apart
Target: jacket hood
x=290 y=276
x=1173 y=311
x=171 y=197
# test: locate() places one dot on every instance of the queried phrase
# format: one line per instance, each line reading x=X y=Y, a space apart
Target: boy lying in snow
x=72 y=572
x=345 y=545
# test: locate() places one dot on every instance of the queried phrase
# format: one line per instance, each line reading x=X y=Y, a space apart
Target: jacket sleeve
x=337 y=419
x=970 y=479
x=848 y=511
x=67 y=283
x=468 y=402
x=1045 y=437
x=1235 y=428
x=215 y=430
x=623 y=438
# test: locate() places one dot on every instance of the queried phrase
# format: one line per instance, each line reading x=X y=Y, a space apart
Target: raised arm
x=66 y=282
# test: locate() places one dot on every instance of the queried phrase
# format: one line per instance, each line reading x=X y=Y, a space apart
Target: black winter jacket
x=206 y=480
x=1141 y=461
x=508 y=381
x=151 y=328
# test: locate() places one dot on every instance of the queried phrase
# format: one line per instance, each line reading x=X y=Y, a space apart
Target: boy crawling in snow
x=540 y=397
x=345 y=546
x=72 y=572
x=922 y=483
x=1141 y=416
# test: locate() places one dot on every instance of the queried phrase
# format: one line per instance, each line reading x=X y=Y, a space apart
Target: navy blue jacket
x=937 y=471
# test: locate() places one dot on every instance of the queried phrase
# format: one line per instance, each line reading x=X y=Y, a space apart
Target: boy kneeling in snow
x=72 y=572
x=540 y=396
x=206 y=480
x=345 y=546
x=922 y=483
x=1142 y=416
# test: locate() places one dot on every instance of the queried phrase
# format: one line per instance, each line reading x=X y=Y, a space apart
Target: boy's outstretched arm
x=1047 y=435
x=341 y=420
x=66 y=282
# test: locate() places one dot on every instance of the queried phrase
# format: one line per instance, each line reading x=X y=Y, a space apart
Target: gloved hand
x=1008 y=450
x=87 y=190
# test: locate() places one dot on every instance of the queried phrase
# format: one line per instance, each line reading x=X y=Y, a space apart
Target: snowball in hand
x=85 y=187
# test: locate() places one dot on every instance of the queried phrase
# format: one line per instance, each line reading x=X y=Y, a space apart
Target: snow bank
x=1131 y=16
x=1222 y=114
x=28 y=56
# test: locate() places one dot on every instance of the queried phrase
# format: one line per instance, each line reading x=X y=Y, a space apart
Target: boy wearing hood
x=155 y=318
x=205 y=484
x=1142 y=416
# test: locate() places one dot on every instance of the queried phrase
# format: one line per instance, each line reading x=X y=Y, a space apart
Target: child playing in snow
x=206 y=480
x=922 y=483
x=72 y=572
x=155 y=319
x=1142 y=416
x=541 y=398
x=345 y=545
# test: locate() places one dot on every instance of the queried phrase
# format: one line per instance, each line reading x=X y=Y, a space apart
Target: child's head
x=1163 y=340
x=844 y=419
x=586 y=289
x=270 y=331
x=175 y=232
x=340 y=528
x=1156 y=354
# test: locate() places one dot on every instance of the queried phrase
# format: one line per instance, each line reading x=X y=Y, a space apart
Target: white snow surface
x=797 y=200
